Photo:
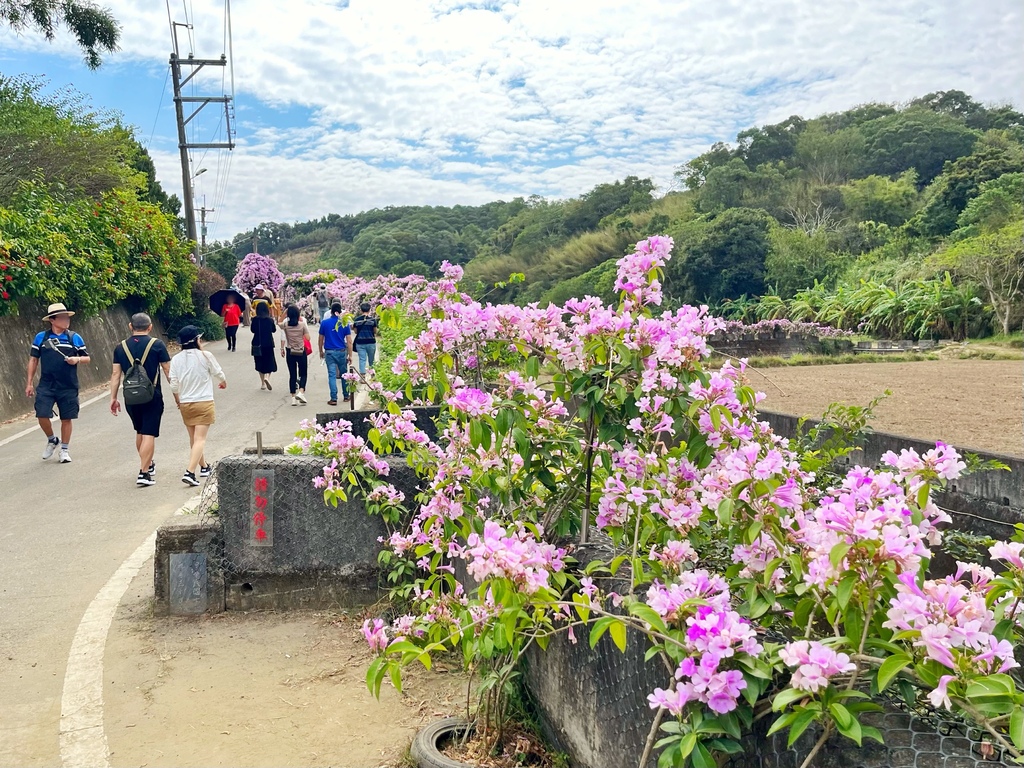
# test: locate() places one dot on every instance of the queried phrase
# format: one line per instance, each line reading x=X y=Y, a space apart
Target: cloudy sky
x=350 y=105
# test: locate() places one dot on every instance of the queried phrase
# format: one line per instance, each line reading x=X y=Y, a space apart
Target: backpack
x=139 y=389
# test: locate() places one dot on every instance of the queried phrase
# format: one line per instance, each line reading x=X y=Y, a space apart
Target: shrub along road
x=67 y=528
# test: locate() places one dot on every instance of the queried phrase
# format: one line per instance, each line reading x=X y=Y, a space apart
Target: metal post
x=259 y=445
x=186 y=175
x=202 y=233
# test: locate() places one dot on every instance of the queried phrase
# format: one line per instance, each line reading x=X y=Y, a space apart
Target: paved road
x=65 y=529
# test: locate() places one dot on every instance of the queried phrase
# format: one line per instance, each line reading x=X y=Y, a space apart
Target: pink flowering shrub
x=256 y=269
x=614 y=428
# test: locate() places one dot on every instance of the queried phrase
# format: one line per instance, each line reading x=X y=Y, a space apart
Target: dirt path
x=968 y=403
x=258 y=689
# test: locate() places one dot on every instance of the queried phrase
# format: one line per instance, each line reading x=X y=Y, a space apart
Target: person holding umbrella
x=230 y=304
x=232 y=314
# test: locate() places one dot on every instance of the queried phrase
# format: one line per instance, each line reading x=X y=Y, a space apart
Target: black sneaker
x=189 y=478
x=205 y=471
x=152 y=468
x=145 y=478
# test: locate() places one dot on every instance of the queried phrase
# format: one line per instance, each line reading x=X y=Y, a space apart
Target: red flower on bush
x=5 y=294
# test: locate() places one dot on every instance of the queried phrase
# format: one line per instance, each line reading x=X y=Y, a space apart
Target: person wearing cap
x=146 y=417
x=56 y=353
x=261 y=295
x=193 y=372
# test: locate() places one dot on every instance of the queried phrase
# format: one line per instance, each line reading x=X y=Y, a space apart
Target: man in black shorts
x=57 y=352
x=145 y=418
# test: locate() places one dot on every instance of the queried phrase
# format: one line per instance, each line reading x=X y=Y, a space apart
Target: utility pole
x=202 y=231
x=195 y=65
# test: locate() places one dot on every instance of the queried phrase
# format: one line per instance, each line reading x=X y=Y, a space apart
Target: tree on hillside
x=723 y=259
x=995 y=154
x=995 y=261
x=770 y=144
x=916 y=138
x=881 y=199
x=95 y=29
x=694 y=173
x=798 y=259
x=830 y=157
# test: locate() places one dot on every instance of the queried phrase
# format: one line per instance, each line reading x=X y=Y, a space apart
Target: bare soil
x=977 y=404
x=257 y=689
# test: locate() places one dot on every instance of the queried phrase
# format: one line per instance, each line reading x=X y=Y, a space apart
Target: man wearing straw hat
x=57 y=353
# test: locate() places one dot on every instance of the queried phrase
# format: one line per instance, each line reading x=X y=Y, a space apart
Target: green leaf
x=890 y=668
x=784 y=698
x=702 y=758
x=803 y=720
x=599 y=628
x=838 y=553
x=845 y=589
x=618 y=632
x=686 y=745
x=725 y=512
x=841 y=715
x=645 y=612
x=1017 y=727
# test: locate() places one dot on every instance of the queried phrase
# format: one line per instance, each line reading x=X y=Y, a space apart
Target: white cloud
x=440 y=101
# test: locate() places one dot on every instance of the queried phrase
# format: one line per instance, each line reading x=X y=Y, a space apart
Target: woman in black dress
x=263 y=329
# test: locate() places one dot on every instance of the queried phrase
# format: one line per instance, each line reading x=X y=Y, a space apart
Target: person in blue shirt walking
x=335 y=344
x=57 y=352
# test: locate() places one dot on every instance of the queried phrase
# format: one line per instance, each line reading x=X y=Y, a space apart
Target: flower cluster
x=815 y=664
x=956 y=625
x=636 y=276
x=871 y=514
x=375 y=634
x=714 y=634
x=736 y=329
x=256 y=269
x=517 y=555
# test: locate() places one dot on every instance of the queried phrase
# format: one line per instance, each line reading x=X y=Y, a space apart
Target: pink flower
x=1008 y=552
x=939 y=697
x=375 y=635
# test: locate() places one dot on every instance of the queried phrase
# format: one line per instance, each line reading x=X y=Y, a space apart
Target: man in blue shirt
x=336 y=348
x=57 y=353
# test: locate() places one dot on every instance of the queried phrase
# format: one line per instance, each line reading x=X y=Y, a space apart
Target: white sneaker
x=295 y=400
x=301 y=397
x=65 y=457
x=51 y=446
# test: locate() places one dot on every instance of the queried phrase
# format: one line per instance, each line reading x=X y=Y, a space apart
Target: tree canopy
x=94 y=28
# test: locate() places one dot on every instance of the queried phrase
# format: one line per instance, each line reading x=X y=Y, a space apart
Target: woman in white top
x=193 y=372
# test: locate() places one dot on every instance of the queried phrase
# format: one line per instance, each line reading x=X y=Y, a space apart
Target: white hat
x=57 y=309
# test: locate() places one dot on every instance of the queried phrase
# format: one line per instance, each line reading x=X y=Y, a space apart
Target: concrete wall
x=101 y=333
x=593 y=705
x=983 y=503
x=314 y=554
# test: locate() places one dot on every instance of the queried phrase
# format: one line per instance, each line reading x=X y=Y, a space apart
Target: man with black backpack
x=137 y=364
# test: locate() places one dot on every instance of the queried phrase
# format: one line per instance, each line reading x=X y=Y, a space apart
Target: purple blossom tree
x=257 y=269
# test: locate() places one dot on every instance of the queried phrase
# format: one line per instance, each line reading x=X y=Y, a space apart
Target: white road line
x=83 y=740
x=30 y=430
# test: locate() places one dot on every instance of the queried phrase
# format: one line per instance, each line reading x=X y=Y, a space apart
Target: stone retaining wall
x=101 y=334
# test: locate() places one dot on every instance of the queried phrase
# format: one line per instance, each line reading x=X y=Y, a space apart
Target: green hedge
x=91 y=254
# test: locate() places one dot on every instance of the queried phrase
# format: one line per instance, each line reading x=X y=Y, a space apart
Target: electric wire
x=163 y=93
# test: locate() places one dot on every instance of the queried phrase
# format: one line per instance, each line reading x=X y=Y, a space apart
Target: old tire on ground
x=424 y=749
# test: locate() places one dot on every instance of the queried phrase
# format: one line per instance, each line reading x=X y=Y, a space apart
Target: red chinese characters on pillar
x=261 y=511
